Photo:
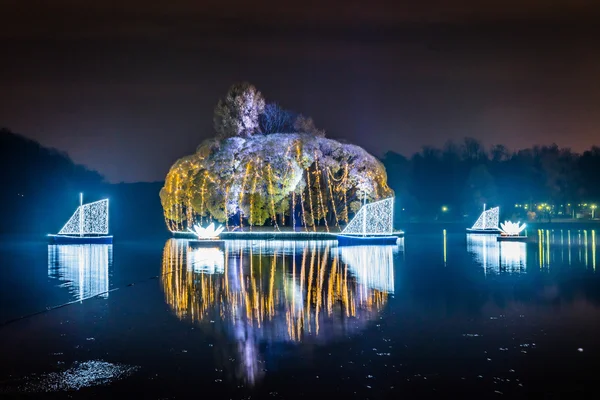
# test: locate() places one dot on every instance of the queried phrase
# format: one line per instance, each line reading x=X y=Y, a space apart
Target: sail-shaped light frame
x=375 y=218
x=88 y=219
x=488 y=220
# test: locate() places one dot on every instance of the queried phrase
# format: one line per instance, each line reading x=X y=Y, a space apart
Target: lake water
x=440 y=315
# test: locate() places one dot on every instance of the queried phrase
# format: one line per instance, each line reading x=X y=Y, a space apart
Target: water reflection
x=267 y=292
x=571 y=247
x=83 y=269
x=513 y=256
x=207 y=261
x=553 y=247
x=373 y=266
x=496 y=257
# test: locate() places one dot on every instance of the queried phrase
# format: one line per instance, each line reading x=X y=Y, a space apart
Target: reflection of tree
x=266 y=290
x=269 y=297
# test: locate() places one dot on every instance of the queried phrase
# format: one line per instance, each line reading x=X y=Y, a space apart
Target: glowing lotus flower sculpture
x=511 y=228
x=207 y=233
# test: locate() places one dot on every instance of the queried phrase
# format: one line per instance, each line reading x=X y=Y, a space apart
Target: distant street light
x=444 y=208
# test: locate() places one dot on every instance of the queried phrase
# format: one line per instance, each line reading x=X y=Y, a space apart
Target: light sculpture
x=512 y=228
x=88 y=219
x=488 y=219
x=373 y=219
x=207 y=233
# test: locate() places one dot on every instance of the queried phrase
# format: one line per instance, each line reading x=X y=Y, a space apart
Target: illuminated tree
x=260 y=179
x=289 y=173
x=237 y=114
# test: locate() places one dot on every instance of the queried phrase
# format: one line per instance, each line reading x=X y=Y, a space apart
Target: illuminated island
x=269 y=170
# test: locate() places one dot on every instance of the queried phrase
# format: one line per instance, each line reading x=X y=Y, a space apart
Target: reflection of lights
x=266 y=288
x=83 y=268
x=513 y=256
x=578 y=241
x=594 y=249
x=496 y=256
x=511 y=228
x=485 y=251
x=307 y=292
x=207 y=233
x=280 y=247
x=585 y=246
x=399 y=246
x=372 y=265
x=206 y=260
x=445 y=240
x=548 y=247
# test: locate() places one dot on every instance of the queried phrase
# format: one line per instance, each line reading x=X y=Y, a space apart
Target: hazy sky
x=127 y=88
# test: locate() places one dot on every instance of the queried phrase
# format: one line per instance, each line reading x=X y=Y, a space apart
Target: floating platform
x=347 y=240
x=207 y=243
x=512 y=238
x=484 y=231
x=72 y=239
x=274 y=235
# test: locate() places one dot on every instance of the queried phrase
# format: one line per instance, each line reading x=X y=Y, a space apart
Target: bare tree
x=275 y=119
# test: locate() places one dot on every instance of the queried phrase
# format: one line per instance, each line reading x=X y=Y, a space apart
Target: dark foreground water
x=440 y=315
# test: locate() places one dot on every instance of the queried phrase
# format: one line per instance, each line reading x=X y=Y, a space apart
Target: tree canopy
x=268 y=165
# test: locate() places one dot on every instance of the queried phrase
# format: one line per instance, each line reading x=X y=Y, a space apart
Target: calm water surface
x=439 y=315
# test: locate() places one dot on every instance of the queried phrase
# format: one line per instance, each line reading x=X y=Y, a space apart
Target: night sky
x=127 y=87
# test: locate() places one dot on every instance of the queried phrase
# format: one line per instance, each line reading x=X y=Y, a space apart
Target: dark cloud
x=127 y=87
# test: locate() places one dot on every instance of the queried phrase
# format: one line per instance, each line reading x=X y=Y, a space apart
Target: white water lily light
x=207 y=233
x=512 y=228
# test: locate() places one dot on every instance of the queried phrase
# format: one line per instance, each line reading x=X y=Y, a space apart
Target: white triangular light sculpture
x=375 y=218
x=512 y=228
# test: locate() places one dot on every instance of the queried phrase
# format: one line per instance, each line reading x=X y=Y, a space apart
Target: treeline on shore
x=453 y=182
x=41 y=186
